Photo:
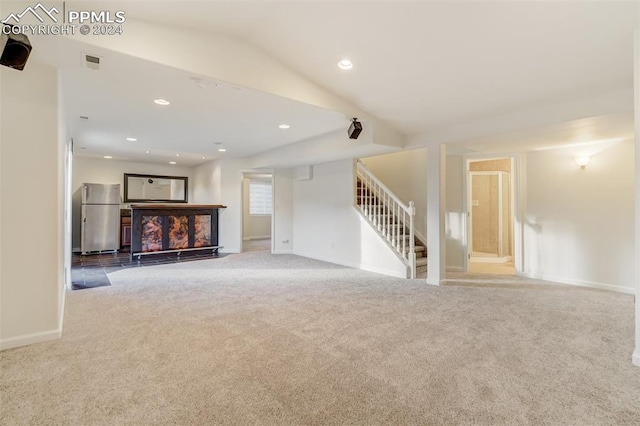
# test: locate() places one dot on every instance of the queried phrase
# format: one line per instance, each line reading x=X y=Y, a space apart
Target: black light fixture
x=354 y=129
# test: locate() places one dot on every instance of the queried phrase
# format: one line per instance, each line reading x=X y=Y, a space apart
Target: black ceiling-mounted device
x=354 y=129
x=15 y=49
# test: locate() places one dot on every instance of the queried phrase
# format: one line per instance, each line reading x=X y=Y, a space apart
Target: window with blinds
x=260 y=198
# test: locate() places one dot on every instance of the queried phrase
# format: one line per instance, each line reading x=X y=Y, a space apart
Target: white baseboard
x=282 y=252
x=29 y=339
x=263 y=237
x=354 y=265
x=455 y=269
x=636 y=357
x=578 y=283
x=382 y=271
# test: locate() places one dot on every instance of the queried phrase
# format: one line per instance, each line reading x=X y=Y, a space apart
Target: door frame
x=517 y=205
x=247 y=174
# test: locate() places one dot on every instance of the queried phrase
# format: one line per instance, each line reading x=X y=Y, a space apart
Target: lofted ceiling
x=424 y=65
x=421 y=66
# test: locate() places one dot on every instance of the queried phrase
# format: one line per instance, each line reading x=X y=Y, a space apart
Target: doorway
x=257 y=211
x=490 y=204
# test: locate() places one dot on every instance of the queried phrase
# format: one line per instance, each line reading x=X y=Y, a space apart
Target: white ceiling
x=421 y=66
x=582 y=134
x=204 y=115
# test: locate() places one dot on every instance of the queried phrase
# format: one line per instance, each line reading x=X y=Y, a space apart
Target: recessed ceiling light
x=204 y=158
x=345 y=64
x=132 y=139
x=284 y=126
x=222 y=149
x=162 y=102
x=146 y=152
x=108 y=156
x=172 y=162
x=177 y=155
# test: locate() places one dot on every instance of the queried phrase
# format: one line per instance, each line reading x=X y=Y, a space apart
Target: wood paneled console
x=164 y=228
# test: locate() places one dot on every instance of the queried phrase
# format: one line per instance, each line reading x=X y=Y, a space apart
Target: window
x=260 y=199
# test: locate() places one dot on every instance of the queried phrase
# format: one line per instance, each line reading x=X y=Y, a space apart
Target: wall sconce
x=583 y=161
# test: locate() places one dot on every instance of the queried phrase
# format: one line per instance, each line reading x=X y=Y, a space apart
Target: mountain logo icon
x=39 y=10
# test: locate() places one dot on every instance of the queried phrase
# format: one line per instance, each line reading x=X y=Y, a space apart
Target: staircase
x=392 y=220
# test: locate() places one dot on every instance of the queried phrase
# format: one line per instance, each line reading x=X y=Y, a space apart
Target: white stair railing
x=387 y=214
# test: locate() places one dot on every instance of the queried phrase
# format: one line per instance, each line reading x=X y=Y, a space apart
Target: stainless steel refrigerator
x=100 y=225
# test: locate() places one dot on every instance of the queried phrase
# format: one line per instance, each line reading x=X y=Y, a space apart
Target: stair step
x=386 y=220
x=394 y=225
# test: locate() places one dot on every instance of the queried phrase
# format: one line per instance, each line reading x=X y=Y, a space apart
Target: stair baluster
x=392 y=219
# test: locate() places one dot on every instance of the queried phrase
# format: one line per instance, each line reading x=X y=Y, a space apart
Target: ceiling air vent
x=92 y=62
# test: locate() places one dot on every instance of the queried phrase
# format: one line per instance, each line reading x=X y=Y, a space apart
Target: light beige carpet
x=261 y=339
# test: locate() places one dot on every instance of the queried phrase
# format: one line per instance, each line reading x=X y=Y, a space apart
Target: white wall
x=31 y=210
x=253 y=226
x=102 y=170
x=405 y=174
x=65 y=159
x=206 y=185
x=283 y=210
x=326 y=225
x=456 y=217
x=579 y=224
x=99 y=170
x=220 y=182
x=231 y=193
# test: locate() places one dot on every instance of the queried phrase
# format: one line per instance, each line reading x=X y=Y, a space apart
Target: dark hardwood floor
x=90 y=271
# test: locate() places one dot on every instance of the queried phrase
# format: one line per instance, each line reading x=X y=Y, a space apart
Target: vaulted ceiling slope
x=425 y=65
x=486 y=75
